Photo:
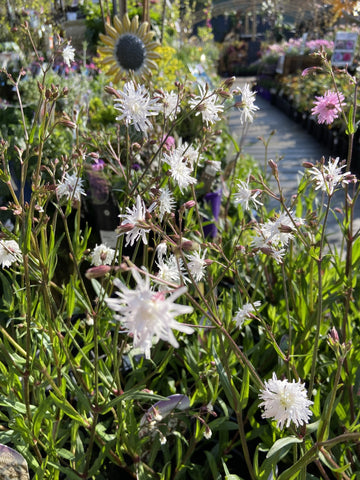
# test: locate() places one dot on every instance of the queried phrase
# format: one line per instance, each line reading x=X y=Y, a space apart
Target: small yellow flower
x=129 y=49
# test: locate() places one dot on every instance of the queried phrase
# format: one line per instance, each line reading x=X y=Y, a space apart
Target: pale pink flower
x=328 y=107
x=147 y=315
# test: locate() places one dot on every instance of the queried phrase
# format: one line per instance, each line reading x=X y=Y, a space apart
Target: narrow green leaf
x=281 y=443
x=244 y=394
x=350 y=129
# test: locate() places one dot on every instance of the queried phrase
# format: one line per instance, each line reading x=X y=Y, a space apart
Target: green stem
x=320 y=301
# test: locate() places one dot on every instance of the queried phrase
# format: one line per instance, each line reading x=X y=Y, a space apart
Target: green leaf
x=244 y=394
x=228 y=475
x=281 y=443
x=40 y=413
x=62 y=452
x=225 y=383
x=70 y=411
x=213 y=467
x=274 y=455
x=350 y=129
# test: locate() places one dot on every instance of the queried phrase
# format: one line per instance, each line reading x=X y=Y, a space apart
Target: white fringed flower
x=171 y=270
x=329 y=176
x=179 y=167
x=197 y=265
x=9 y=252
x=70 y=187
x=171 y=105
x=102 y=255
x=205 y=103
x=166 y=202
x=136 y=106
x=148 y=315
x=68 y=54
x=248 y=108
x=244 y=312
x=135 y=218
x=285 y=402
x=245 y=196
x=277 y=232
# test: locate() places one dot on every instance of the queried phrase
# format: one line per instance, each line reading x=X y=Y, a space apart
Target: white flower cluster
x=244 y=312
x=272 y=236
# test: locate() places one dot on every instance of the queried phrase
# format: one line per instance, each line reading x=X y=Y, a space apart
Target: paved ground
x=289 y=146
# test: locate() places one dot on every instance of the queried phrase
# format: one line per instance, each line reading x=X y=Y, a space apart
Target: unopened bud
x=229 y=81
x=334 y=335
x=97 y=272
x=136 y=146
x=285 y=229
x=273 y=166
x=124 y=228
x=112 y=91
x=189 y=204
x=66 y=122
x=223 y=94
x=308 y=165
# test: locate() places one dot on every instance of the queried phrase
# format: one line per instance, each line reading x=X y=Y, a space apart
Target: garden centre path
x=289 y=146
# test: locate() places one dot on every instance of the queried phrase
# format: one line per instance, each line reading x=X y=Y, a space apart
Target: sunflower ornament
x=129 y=49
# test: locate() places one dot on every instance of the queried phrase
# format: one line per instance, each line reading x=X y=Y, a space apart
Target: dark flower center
x=130 y=52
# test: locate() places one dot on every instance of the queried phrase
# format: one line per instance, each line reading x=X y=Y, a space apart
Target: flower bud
x=112 y=91
x=189 y=204
x=308 y=165
x=273 y=166
x=229 y=82
x=97 y=272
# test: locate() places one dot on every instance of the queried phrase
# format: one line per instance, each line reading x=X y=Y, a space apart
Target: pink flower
x=327 y=108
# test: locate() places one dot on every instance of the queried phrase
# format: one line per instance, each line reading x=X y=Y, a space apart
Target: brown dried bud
x=112 y=91
x=308 y=165
x=229 y=82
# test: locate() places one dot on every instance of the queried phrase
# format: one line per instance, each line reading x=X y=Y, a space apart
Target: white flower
x=102 y=255
x=135 y=217
x=166 y=202
x=277 y=255
x=285 y=402
x=180 y=170
x=171 y=270
x=70 y=187
x=197 y=265
x=247 y=104
x=148 y=315
x=277 y=232
x=135 y=106
x=171 y=105
x=161 y=250
x=191 y=154
x=68 y=54
x=329 y=176
x=244 y=312
x=244 y=195
x=205 y=103
x=9 y=252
